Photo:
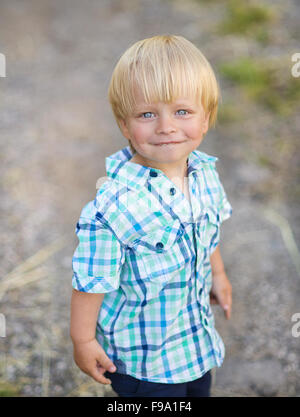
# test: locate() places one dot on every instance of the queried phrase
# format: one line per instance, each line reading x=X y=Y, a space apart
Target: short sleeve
x=224 y=207
x=98 y=258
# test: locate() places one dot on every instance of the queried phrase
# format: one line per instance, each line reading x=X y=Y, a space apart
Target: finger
x=99 y=377
x=105 y=363
x=227 y=311
x=227 y=307
x=224 y=299
x=96 y=374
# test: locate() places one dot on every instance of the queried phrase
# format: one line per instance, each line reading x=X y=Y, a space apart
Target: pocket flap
x=159 y=240
x=207 y=226
x=212 y=215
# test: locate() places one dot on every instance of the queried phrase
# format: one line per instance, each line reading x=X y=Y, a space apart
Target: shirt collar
x=119 y=167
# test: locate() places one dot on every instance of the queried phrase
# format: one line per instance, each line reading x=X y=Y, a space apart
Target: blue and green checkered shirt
x=143 y=244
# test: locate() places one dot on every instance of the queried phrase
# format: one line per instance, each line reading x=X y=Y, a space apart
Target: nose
x=165 y=125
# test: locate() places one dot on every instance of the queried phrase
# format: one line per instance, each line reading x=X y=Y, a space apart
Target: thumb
x=224 y=301
x=105 y=362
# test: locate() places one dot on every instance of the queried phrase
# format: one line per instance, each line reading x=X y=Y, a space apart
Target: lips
x=166 y=143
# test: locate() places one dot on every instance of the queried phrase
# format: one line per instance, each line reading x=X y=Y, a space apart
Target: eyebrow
x=183 y=103
x=175 y=104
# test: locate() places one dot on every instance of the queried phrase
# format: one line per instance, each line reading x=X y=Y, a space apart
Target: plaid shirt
x=144 y=245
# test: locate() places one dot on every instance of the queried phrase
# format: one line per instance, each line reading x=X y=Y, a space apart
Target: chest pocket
x=208 y=228
x=162 y=253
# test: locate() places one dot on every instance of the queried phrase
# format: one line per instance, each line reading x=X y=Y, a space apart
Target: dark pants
x=128 y=386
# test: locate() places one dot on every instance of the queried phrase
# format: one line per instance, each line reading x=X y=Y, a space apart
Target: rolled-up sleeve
x=98 y=258
x=224 y=207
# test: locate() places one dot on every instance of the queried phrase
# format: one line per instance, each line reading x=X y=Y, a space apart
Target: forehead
x=141 y=100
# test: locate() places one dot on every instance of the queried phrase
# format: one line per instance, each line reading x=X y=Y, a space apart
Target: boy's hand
x=221 y=293
x=92 y=360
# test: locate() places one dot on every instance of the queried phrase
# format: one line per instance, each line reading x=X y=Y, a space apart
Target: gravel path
x=57 y=128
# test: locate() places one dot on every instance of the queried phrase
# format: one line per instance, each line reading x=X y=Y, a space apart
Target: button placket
x=159 y=246
x=181 y=207
x=194 y=195
x=153 y=173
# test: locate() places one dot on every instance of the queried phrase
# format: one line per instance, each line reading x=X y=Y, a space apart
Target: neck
x=177 y=170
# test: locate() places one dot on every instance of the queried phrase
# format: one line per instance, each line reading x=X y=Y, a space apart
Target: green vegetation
x=265 y=161
x=264 y=83
x=246 y=18
x=8 y=390
x=228 y=113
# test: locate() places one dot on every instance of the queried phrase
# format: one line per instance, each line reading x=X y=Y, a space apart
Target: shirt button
x=159 y=245
x=153 y=174
x=172 y=191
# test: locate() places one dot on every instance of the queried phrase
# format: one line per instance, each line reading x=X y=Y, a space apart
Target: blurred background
x=57 y=129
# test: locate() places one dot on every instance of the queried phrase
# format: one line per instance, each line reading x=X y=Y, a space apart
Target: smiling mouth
x=167 y=143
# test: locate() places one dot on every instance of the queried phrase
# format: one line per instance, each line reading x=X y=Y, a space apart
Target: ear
x=124 y=128
x=206 y=122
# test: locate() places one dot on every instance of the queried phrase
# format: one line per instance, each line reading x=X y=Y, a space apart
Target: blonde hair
x=164 y=68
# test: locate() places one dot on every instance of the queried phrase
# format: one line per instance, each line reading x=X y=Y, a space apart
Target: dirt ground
x=56 y=130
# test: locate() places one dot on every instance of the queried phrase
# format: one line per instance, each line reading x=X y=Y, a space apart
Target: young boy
x=148 y=264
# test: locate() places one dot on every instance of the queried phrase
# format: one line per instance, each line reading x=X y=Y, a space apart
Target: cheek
x=194 y=130
x=141 y=133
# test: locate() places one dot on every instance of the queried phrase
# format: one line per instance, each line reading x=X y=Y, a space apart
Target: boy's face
x=165 y=133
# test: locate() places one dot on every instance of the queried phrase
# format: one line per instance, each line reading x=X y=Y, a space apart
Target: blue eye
x=182 y=110
x=147 y=115
x=150 y=115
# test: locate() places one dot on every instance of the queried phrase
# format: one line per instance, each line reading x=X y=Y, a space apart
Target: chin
x=168 y=158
